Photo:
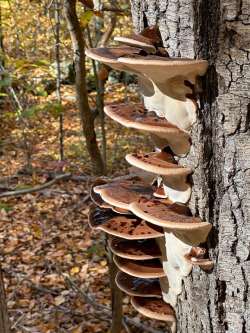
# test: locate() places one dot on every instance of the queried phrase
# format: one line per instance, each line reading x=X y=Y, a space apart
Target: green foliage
x=7 y=208
x=55 y=109
x=86 y=17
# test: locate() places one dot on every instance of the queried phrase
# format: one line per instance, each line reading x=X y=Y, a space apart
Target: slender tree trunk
x=87 y=118
x=58 y=6
x=4 y=319
x=116 y=296
x=219 y=32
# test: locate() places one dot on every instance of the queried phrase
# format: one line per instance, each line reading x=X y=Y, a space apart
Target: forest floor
x=50 y=258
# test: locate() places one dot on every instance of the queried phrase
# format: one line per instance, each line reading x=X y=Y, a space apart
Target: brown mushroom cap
x=196 y=258
x=136 y=116
x=135 y=249
x=175 y=217
x=124 y=226
x=163 y=132
x=110 y=55
x=159 y=69
x=135 y=40
x=139 y=268
x=123 y=192
x=134 y=286
x=154 y=308
x=159 y=163
x=95 y=197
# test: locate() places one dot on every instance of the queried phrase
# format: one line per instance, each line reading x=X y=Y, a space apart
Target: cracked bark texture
x=218 y=31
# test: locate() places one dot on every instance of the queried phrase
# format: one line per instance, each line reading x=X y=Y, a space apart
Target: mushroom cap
x=137 y=41
x=98 y=201
x=138 y=117
x=159 y=163
x=205 y=264
x=196 y=258
x=110 y=55
x=159 y=69
x=140 y=268
x=135 y=249
x=95 y=197
x=124 y=226
x=174 y=217
x=154 y=308
x=123 y=192
x=134 y=286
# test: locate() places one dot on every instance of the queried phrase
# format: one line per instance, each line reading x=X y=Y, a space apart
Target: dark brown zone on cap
x=95 y=197
x=174 y=212
x=124 y=224
x=136 y=247
x=99 y=216
x=138 y=286
x=154 y=305
x=138 y=113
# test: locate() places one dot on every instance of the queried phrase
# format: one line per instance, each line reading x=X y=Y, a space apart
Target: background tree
x=4 y=320
x=87 y=117
x=219 y=32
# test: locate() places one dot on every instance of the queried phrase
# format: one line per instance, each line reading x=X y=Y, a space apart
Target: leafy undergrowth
x=50 y=258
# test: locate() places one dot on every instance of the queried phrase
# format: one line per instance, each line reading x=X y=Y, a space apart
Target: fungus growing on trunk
x=134 y=286
x=175 y=183
x=124 y=226
x=123 y=192
x=164 y=133
x=156 y=309
x=174 y=218
x=136 y=249
x=151 y=268
x=160 y=240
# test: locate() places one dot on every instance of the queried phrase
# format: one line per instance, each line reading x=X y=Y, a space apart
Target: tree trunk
x=219 y=32
x=87 y=118
x=4 y=319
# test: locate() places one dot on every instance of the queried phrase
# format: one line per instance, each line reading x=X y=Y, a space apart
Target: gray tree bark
x=218 y=31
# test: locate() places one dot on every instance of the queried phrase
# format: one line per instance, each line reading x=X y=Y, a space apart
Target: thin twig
x=35 y=188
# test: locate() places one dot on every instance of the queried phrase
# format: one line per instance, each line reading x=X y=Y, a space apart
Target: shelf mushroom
x=136 y=250
x=151 y=268
x=134 y=286
x=163 y=132
x=128 y=208
x=127 y=227
x=155 y=308
x=149 y=40
x=175 y=182
x=123 y=192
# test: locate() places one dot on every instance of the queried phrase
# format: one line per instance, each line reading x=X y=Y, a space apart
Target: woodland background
x=55 y=270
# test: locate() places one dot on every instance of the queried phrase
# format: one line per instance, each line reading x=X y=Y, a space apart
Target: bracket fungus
x=136 y=249
x=123 y=192
x=153 y=235
x=175 y=183
x=163 y=132
x=134 y=286
x=151 y=268
x=156 y=309
x=124 y=226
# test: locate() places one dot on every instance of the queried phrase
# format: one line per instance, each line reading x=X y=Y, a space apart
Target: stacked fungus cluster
x=152 y=233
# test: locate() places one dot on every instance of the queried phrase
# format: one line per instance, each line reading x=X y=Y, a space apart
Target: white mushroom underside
x=177 y=189
x=175 y=266
x=181 y=113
